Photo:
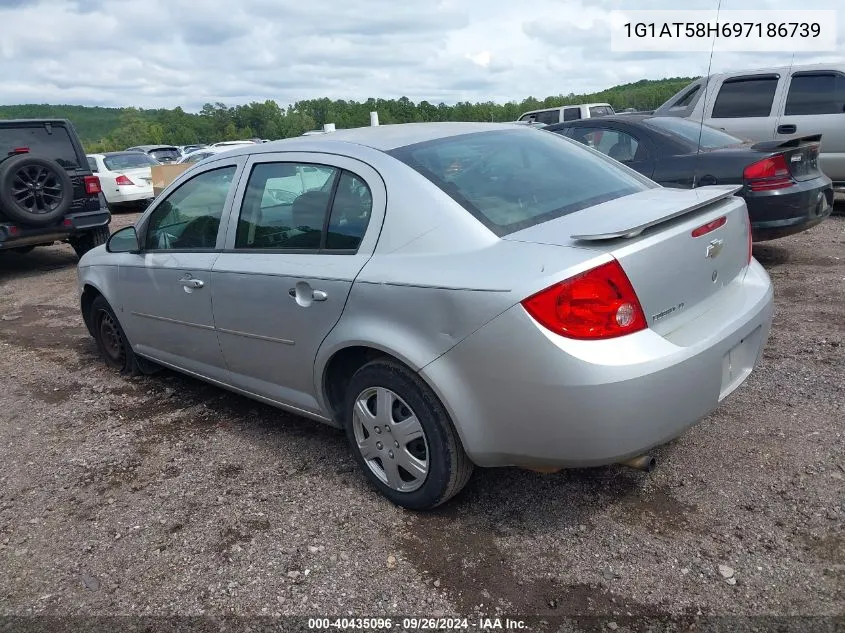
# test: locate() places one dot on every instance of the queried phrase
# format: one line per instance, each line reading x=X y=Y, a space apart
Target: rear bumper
x=16 y=236
x=783 y=212
x=520 y=395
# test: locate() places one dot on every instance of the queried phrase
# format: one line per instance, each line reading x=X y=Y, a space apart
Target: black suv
x=47 y=190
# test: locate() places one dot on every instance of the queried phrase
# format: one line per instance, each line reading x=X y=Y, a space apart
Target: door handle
x=192 y=283
x=787 y=129
x=316 y=295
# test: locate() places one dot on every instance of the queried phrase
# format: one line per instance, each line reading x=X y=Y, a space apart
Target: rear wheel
x=83 y=243
x=402 y=438
x=111 y=340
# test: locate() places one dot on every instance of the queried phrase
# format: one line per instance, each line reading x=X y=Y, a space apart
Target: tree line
x=109 y=129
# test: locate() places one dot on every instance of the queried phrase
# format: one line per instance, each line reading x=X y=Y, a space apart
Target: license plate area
x=738 y=362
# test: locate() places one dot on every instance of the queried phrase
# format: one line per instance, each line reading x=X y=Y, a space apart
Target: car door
x=166 y=288
x=815 y=104
x=305 y=227
x=626 y=147
x=745 y=105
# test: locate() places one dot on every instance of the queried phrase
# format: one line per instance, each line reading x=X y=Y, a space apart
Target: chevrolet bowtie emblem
x=714 y=248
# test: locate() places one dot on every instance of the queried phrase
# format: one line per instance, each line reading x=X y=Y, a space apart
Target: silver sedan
x=451 y=295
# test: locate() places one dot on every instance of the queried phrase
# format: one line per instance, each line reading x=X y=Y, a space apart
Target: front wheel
x=402 y=437
x=111 y=340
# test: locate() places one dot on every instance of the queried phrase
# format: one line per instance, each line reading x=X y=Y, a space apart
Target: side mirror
x=124 y=241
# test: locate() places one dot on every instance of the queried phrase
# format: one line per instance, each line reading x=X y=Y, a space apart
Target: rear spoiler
x=662 y=207
x=770 y=146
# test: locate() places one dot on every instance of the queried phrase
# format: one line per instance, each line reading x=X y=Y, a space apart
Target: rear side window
x=300 y=206
x=816 y=93
x=512 y=179
x=597 y=111
x=571 y=114
x=548 y=116
x=53 y=142
x=751 y=97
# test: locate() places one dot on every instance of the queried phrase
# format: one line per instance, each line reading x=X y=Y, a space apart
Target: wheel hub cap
x=404 y=465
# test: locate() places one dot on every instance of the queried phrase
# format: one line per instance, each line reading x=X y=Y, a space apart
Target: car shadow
x=39 y=260
x=770 y=255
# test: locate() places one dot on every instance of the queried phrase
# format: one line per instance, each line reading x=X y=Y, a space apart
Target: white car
x=125 y=177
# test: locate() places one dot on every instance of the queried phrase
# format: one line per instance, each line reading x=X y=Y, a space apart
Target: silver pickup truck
x=773 y=104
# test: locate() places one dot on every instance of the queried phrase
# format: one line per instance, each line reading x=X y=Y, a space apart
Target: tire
x=435 y=444
x=33 y=190
x=111 y=340
x=95 y=237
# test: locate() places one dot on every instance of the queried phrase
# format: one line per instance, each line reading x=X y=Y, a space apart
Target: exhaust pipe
x=643 y=462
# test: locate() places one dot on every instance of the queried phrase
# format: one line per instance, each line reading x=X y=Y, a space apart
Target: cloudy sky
x=164 y=53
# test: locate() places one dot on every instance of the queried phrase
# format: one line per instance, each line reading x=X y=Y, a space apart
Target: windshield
x=128 y=161
x=710 y=137
x=512 y=179
x=165 y=154
x=53 y=142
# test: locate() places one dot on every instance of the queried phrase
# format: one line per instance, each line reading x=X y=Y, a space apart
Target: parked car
x=162 y=153
x=200 y=154
x=542 y=306
x=232 y=143
x=48 y=193
x=187 y=149
x=567 y=113
x=773 y=104
x=781 y=182
x=125 y=178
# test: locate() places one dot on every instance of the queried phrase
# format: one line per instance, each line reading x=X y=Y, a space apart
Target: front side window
x=745 y=97
x=614 y=143
x=189 y=218
x=165 y=154
x=816 y=93
x=512 y=179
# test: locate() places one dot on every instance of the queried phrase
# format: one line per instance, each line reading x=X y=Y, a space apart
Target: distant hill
x=116 y=128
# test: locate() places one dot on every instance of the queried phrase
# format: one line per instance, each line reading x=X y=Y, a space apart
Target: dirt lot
x=160 y=495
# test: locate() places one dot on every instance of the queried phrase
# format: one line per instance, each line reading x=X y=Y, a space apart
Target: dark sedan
x=782 y=185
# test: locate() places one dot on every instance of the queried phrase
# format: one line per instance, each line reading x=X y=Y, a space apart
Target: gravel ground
x=161 y=495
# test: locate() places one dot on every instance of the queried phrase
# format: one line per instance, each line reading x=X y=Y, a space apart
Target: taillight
x=20 y=150
x=598 y=304
x=769 y=173
x=123 y=180
x=92 y=185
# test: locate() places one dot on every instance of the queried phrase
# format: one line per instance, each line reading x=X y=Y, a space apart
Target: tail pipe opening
x=646 y=463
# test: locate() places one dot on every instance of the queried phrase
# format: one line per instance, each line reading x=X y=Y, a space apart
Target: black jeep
x=47 y=191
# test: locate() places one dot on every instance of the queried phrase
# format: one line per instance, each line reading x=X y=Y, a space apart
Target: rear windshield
x=512 y=179
x=165 y=154
x=53 y=142
x=128 y=161
x=710 y=138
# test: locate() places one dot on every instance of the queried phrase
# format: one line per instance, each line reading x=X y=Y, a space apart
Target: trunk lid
x=801 y=154
x=676 y=275
x=138 y=175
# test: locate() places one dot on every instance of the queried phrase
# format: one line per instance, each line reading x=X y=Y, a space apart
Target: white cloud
x=164 y=53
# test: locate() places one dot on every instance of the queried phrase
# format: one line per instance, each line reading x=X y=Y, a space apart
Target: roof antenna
x=704 y=100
